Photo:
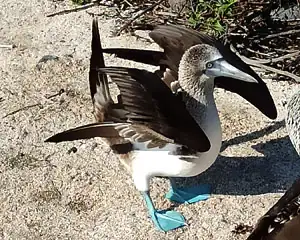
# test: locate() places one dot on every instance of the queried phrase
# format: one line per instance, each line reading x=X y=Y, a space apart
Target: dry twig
x=260 y=63
x=274 y=60
x=76 y=9
x=271 y=69
x=278 y=59
x=139 y=14
x=10 y=46
x=282 y=33
x=61 y=91
x=22 y=109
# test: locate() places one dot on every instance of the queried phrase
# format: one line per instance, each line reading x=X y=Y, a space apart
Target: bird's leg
x=188 y=195
x=164 y=220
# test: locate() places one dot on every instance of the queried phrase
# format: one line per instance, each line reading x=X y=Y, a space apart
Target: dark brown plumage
x=282 y=221
x=148 y=112
x=175 y=40
x=147 y=109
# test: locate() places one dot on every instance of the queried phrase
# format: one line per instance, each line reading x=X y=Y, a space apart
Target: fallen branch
x=22 y=109
x=167 y=14
x=260 y=64
x=282 y=34
x=10 y=46
x=259 y=53
x=236 y=34
x=129 y=4
x=76 y=9
x=271 y=69
x=61 y=91
x=139 y=14
x=277 y=59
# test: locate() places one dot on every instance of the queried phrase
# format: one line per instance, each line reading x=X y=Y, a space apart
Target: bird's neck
x=198 y=95
x=200 y=103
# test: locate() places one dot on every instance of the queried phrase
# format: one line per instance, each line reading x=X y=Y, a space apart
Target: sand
x=48 y=191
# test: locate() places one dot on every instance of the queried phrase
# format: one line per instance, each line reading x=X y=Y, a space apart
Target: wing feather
x=147 y=111
x=287 y=207
x=160 y=115
x=175 y=40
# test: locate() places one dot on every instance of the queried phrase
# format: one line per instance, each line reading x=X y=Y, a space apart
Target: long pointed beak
x=221 y=68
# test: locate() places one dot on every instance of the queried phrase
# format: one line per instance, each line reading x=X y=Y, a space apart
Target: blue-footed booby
x=176 y=40
x=156 y=132
x=282 y=221
x=293 y=120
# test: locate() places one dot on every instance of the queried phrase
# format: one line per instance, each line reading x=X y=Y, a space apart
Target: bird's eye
x=209 y=65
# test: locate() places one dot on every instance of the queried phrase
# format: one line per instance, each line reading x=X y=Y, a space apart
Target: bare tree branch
x=76 y=9
x=139 y=14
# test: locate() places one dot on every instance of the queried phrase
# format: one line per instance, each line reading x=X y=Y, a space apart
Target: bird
x=293 y=120
x=282 y=221
x=161 y=130
x=175 y=40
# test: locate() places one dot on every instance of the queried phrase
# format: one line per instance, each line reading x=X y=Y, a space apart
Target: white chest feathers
x=160 y=162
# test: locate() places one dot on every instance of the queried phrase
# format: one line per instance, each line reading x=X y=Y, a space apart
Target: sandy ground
x=49 y=192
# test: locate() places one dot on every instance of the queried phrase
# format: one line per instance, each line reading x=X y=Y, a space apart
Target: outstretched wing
x=151 y=104
x=151 y=114
x=175 y=40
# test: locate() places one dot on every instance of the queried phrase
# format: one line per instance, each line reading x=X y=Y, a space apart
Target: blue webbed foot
x=167 y=220
x=190 y=194
x=164 y=220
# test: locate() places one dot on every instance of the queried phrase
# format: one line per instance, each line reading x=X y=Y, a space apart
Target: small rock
x=72 y=150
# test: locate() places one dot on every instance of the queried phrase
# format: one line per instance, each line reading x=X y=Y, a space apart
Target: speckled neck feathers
x=197 y=86
x=293 y=120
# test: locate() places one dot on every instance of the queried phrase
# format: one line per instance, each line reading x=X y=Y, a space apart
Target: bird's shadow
x=273 y=172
